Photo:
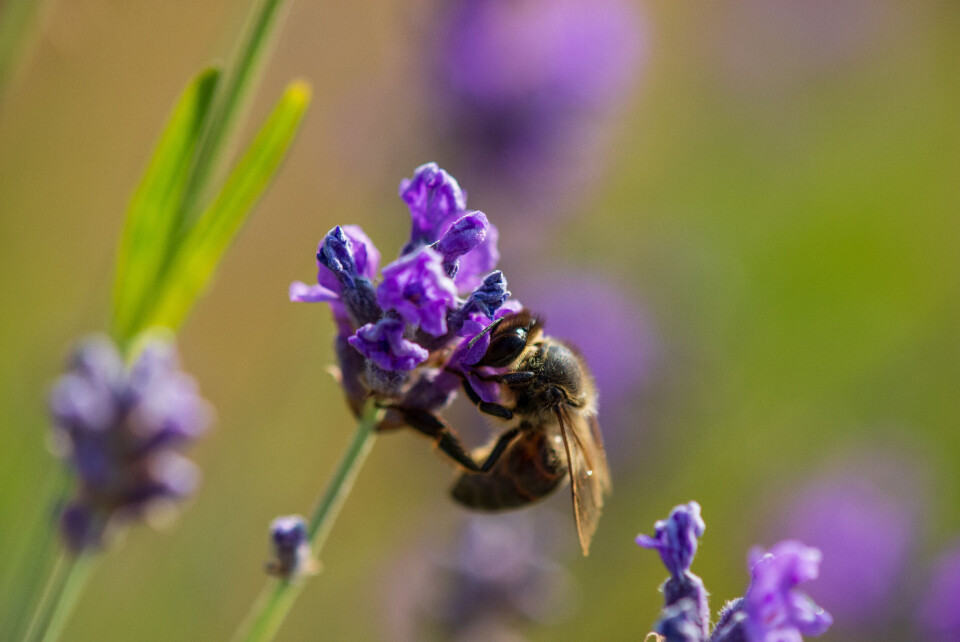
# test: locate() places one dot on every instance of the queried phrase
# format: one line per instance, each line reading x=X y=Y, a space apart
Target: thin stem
x=268 y=612
x=66 y=583
x=35 y=559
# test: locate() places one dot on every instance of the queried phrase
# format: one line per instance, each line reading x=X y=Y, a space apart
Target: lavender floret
x=383 y=343
x=435 y=200
x=774 y=608
x=417 y=288
x=675 y=538
x=122 y=430
x=347 y=261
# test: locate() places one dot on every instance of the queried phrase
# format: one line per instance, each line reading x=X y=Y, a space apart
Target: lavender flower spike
x=122 y=430
x=675 y=538
x=775 y=610
x=291 y=548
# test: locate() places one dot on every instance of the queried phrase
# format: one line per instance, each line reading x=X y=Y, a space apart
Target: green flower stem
x=268 y=612
x=63 y=590
x=34 y=560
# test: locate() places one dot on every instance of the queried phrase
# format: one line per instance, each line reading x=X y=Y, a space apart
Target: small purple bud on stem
x=291 y=548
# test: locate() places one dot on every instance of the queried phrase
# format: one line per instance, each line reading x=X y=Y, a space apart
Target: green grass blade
x=201 y=251
x=151 y=220
x=230 y=99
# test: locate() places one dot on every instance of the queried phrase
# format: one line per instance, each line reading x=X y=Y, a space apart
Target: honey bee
x=550 y=400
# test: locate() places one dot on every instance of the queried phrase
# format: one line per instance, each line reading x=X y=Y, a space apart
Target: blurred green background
x=781 y=193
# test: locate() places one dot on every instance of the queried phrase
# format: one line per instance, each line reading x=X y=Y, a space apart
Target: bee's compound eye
x=504 y=349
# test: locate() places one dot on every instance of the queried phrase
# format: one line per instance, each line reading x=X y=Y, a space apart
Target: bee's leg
x=447 y=440
x=520 y=378
x=486 y=407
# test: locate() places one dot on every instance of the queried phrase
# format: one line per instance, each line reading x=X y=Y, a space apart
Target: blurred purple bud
x=81 y=530
x=87 y=397
x=291 y=547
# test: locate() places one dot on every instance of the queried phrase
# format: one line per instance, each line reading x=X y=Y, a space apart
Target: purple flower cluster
x=498 y=576
x=773 y=610
x=404 y=338
x=122 y=429
x=522 y=87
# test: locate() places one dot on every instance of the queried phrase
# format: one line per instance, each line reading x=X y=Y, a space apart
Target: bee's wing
x=589 y=474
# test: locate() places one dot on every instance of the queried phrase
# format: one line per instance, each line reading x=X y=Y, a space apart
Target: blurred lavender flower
x=291 y=548
x=939 y=614
x=403 y=339
x=122 y=429
x=864 y=519
x=497 y=577
x=772 y=609
x=520 y=84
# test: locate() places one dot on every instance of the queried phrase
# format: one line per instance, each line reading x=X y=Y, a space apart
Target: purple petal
x=435 y=199
x=479 y=261
x=383 y=343
x=302 y=292
x=416 y=286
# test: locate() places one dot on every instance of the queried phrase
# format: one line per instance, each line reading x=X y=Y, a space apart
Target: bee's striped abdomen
x=529 y=470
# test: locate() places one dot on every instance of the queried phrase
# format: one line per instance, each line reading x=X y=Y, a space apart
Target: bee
x=550 y=402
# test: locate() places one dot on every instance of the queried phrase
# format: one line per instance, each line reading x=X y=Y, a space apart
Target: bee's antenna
x=486 y=330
